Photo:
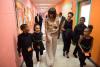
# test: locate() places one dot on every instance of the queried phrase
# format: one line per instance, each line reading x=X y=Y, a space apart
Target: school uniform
x=24 y=42
x=86 y=45
x=78 y=30
x=38 y=44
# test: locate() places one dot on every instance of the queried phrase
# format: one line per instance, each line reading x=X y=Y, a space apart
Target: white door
x=85 y=12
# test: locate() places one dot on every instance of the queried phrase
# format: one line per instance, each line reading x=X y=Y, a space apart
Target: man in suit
x=61 y=20
x=39 y=20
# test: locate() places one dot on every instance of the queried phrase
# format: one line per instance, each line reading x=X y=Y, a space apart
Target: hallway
x=60 y=60
x=14 y=13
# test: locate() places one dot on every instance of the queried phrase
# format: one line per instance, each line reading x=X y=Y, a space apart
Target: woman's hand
x=30 y=49
x=87 y=53
x=63 y=29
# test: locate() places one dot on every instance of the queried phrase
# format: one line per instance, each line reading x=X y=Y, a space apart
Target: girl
x=85 y=45
x=38 y=44
x=51 y=30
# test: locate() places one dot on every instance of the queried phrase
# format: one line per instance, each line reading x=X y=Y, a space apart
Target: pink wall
x=8 y=32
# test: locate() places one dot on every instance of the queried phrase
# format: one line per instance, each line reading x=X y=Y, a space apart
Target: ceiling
x=44 y=5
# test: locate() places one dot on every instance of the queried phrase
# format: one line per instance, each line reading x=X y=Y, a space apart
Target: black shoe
x=75 y=55
x=67 y=56
x=63 y=53
x=84 y=63
x=81 y=65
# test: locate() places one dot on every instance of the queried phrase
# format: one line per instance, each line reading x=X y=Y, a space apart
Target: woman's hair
x=71 y=13
x=52 y=11
x=35 y=26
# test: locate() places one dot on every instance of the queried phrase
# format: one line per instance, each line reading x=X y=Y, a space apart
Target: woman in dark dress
x=38 y=44
x=85 y=45
x=67 y=33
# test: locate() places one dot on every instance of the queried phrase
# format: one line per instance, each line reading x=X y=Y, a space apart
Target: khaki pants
x=51 y=46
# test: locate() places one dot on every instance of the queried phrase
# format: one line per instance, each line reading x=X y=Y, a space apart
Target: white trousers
x=51 y=46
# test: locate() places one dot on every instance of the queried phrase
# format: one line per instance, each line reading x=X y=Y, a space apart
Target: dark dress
x=66 y=35
x=38 y=44
x=86 y=45
x=24 y=42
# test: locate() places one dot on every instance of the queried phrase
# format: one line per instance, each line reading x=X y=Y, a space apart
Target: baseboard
x=96 y=65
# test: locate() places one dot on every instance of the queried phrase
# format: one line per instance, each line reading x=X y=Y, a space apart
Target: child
x=25 y=45
x=85 y=45
x=38 y=44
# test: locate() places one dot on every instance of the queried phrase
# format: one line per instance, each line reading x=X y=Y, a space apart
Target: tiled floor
x=61 y=61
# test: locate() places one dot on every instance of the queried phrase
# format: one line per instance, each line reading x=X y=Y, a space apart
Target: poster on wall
x=19 y=12
x=66 y=8
x=24 y=13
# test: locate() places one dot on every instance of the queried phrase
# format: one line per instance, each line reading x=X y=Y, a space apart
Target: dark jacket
x=86 y=44
x=24 y=42
x=78 y=30
x=40 y=20
x=38 y=41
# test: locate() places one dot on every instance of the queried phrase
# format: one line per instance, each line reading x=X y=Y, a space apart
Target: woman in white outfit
x=51 y=29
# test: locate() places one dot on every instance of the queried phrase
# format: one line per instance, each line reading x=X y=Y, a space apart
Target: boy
x=25 y=45
x=78 y=30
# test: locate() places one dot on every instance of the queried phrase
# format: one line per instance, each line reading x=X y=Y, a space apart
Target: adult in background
x=39 y=20
x=67 y=33
x=61 y=20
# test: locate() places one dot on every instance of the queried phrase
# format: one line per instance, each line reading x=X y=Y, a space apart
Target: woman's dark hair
x=52 y=11
x=23 y=26
x=35 y=26
x=71 y=13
